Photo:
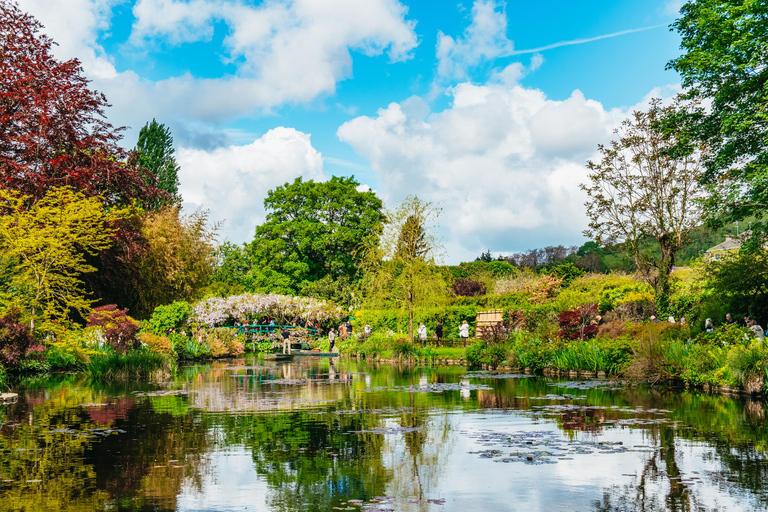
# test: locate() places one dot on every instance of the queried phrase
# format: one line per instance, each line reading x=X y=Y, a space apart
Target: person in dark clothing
x=439 y=331
x=286 y=341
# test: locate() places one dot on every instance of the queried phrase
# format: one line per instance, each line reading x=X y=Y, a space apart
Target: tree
x=646 y=187
x=155 y=154
x=725 y=43
x=49 y=240
x=178 y=260
x=52 y=127
x=313 y=230
x=400 y=270
x=741 y=283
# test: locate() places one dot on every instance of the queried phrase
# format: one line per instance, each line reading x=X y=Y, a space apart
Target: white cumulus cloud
x=284 y=51
x=233 y=181
x=504 y=161
x=484 y=39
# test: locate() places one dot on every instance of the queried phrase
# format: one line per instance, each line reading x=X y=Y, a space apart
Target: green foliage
x=50 y=240
x=528 y=351
x=395 y=321
x=3 y=378
x=313 y=230
x=724 y=44
x=75 y=347
x=741 y=282
x=567 y=272
x=155 y=155
x=475 y=354
x=403 y=350
x=188 y=349
x=475 y=269
x=178 y=258
x=747 y=365
x=609 y=355
x=171 y=316
x=373 y=346
x=132 y=365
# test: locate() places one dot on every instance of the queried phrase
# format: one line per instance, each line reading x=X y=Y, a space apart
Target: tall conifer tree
x=155 y=153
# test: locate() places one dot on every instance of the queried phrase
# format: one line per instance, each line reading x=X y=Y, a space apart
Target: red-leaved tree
x=579 y=323
x=52 y=126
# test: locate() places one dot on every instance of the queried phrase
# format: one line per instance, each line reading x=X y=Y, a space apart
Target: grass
x=134 y=365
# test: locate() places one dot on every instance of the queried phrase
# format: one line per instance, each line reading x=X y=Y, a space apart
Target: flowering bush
x=216 y=311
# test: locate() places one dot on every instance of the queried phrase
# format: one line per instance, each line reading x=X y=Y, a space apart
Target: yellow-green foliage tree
x=179 y=258
x=48 y=241
x=401 y=270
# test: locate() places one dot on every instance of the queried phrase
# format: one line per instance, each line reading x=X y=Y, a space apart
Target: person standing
x=343 y=331
x=439 y=331
x=729 y=319
x=422 y=332
x=332 y=339
x=708 y=325
x=367 y=330
x=464 y=332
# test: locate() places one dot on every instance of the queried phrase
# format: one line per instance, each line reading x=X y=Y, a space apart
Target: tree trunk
x=666 y=265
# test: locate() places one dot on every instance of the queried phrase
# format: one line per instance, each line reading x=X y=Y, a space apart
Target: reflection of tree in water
x=661 y=466
x=309 y=460
x=60 y=454
x=743 y=465
x=417 y=467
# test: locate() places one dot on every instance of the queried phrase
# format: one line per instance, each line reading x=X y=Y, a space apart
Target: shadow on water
x=319 y=434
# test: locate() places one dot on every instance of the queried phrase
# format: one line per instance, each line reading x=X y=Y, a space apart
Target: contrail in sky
x=582 y=41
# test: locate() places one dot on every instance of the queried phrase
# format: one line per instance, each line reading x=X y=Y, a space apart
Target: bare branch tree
x=646 y=187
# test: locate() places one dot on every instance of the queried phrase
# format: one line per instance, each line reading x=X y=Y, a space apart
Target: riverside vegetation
x=75 y=260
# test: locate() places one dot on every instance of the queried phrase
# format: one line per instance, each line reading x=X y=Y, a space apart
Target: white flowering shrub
x=247 y=308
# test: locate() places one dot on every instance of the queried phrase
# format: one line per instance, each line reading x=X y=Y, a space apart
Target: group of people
x=437 y=335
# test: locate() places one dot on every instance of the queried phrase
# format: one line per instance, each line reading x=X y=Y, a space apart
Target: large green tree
x=725 y=61
x=155 y=154
x=313 y=231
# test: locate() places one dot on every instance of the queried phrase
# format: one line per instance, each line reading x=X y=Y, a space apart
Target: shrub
x=578 y=323
x=119 y=328
x=747 y=366
x=373 y=346
x=566 y=272
x=404 y=350
x=171 y=316
x=74 y=347
x=612 y=329
x=529 y=352
x=475 y=354
x=225 y=342
x=157 y=344
x=16 y=342
x=468 y=288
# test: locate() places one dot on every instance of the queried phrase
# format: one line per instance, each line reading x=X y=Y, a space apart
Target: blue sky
x=488 y=108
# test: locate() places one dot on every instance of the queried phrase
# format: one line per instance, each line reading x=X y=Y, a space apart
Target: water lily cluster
x=249 y=308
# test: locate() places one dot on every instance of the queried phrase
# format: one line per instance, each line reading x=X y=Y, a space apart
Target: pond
x=316 y=434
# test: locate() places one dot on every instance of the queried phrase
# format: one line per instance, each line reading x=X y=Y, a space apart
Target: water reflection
x=322 y=435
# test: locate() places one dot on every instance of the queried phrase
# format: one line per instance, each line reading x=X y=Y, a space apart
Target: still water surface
x=321 y=435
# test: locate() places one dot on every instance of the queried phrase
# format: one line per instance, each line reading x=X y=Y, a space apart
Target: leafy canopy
x=401 y=270
x=49 y=241
x=725 y=44
x=53 y=131
x=313 y=230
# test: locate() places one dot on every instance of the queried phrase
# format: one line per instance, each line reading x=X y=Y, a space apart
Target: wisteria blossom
x=246 y=308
